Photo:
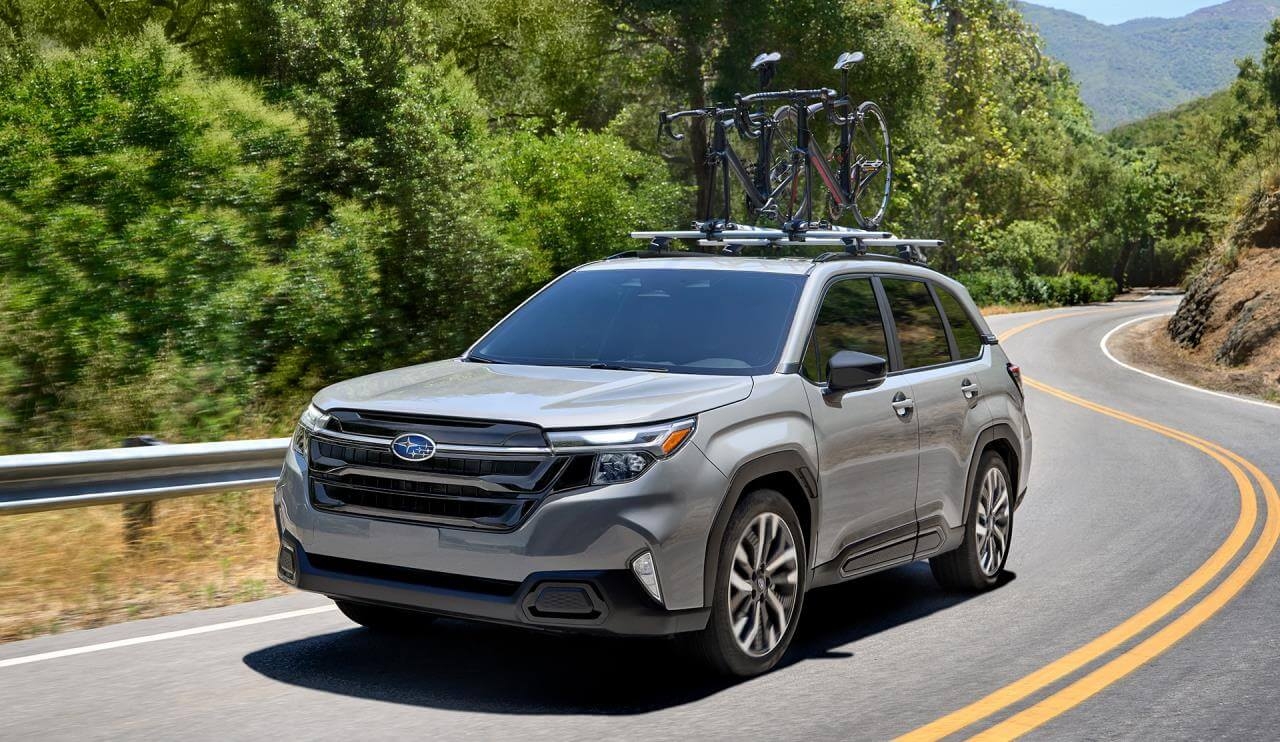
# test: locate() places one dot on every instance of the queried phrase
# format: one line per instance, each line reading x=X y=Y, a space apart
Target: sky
x=1118 y=11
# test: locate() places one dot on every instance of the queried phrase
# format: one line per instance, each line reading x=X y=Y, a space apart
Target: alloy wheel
x=992 y=526
x=763 y=584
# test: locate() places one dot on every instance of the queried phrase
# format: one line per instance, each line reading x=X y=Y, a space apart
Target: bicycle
x=859 y=177
x=767 y=179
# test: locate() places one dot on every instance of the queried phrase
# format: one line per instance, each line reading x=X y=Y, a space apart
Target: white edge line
x=1107 y=352
x=163 y=636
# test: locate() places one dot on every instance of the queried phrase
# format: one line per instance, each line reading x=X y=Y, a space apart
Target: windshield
x=683 y=321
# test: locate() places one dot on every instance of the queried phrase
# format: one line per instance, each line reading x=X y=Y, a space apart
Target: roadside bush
x=998 y=287
x=993 y=287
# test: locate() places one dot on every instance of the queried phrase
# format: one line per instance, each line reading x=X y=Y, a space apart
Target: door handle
x=903 y=405
x=969 y=389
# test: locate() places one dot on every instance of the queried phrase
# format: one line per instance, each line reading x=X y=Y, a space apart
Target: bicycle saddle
x=848 y=60
x=766 y=58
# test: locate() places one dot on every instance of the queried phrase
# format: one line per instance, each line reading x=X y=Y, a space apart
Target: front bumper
x=600 y=602
x=586 y=538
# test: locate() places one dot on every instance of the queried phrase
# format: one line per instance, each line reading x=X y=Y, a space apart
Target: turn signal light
x=674 y=440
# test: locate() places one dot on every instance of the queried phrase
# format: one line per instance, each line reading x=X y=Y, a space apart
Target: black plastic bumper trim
x=622 y=607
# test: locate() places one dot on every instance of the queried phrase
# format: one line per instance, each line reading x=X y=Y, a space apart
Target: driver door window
x=849 y=319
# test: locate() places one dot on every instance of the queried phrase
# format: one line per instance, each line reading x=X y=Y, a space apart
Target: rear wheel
x=384 y=618
x=872 y=166
x=988 y=532
x=759 y=587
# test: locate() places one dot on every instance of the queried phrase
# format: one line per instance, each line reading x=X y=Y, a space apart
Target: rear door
x=867 y=449
x=943 y=358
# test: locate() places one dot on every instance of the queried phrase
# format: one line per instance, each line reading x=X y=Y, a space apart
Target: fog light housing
x=642 y=567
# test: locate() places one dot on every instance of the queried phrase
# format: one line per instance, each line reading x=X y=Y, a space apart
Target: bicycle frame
x=845 y=184
x=722 y=155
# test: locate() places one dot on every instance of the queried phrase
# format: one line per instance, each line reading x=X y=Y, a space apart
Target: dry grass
x=996 y=309
x=70 y=569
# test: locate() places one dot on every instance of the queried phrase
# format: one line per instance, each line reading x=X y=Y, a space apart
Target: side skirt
x=893 y=548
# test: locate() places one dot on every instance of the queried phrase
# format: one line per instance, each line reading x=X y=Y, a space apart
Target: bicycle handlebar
x=665 y=119
x=830 y=107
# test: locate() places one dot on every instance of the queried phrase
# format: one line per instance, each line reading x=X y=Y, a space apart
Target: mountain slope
x=1139 y=67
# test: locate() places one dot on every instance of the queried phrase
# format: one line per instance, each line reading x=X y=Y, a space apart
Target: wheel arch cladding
x=785 y=472
x=1001 y=439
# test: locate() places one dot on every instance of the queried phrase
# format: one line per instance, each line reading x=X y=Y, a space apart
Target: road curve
x=1140 y=490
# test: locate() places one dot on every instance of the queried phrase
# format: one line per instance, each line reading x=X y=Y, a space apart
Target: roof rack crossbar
x=733 y=238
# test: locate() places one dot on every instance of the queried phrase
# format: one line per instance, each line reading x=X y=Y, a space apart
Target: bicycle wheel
x=872 y=167
x=786 y=178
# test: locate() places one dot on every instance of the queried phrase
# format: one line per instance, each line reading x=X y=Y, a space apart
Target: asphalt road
x=1119 y=514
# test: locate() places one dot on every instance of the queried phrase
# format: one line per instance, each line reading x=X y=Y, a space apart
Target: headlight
x=622 y=454
x=312 y=420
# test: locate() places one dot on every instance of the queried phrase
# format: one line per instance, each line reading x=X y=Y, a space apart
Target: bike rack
x=732 y=238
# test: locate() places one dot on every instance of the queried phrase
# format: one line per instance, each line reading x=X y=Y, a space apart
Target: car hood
x=547 y=396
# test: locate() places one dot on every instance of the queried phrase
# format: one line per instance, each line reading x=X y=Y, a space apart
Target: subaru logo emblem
x=413 y=447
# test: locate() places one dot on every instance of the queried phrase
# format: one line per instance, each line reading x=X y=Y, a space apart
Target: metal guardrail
x=72 y=479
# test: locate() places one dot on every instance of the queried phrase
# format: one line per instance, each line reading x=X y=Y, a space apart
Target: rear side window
x=921 y=334
x=968 y=340
x=849 y=319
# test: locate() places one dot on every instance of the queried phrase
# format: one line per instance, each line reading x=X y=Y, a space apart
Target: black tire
x=718 y=645
x=969 y=568
x=385 y=619
x=871 y=144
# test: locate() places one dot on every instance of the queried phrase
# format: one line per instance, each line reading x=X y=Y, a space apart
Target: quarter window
x=921 y=334
x=968 y=340
x=849 y=319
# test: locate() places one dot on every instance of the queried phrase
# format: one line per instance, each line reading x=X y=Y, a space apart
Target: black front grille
x=341 y=454
x=453 y=506
x=362 y=477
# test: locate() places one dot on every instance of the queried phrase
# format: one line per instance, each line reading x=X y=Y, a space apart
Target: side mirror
x=850 y=371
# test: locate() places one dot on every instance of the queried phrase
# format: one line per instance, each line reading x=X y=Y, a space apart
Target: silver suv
x=664 y=443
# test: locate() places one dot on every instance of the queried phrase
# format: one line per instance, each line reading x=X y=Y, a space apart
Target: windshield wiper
x=473 y=358
x=620 y=367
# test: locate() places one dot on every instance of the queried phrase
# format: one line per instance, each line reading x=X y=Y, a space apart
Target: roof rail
x=733 y=238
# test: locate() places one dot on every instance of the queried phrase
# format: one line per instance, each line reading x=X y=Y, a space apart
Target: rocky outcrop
x=1231 y=312
x=1188 y=324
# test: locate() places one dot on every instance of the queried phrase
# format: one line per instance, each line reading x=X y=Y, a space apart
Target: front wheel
x=759 y=587
x=988 y=532
x=786 y=178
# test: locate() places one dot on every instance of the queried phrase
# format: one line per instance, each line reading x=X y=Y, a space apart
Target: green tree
x=138 y=199
x=1271 y=63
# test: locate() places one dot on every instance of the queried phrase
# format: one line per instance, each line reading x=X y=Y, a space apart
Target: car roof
x=806 y=266
x=685 y=261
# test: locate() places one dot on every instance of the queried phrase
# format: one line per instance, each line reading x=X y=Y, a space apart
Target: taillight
x=1015 y=373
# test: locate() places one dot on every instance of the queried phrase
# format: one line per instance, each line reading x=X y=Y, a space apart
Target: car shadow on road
x=466 y=666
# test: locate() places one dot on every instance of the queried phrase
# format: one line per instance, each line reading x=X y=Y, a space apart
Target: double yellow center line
x=1095 y=681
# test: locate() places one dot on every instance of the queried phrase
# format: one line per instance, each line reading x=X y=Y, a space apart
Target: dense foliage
x=1200 y=164
x=208 y=209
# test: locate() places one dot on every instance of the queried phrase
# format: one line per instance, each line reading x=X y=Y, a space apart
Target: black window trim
x=892 y=328
x=955 y=347
x=890 y=339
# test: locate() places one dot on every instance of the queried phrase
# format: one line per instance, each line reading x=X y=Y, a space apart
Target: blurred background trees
x=209 y=208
